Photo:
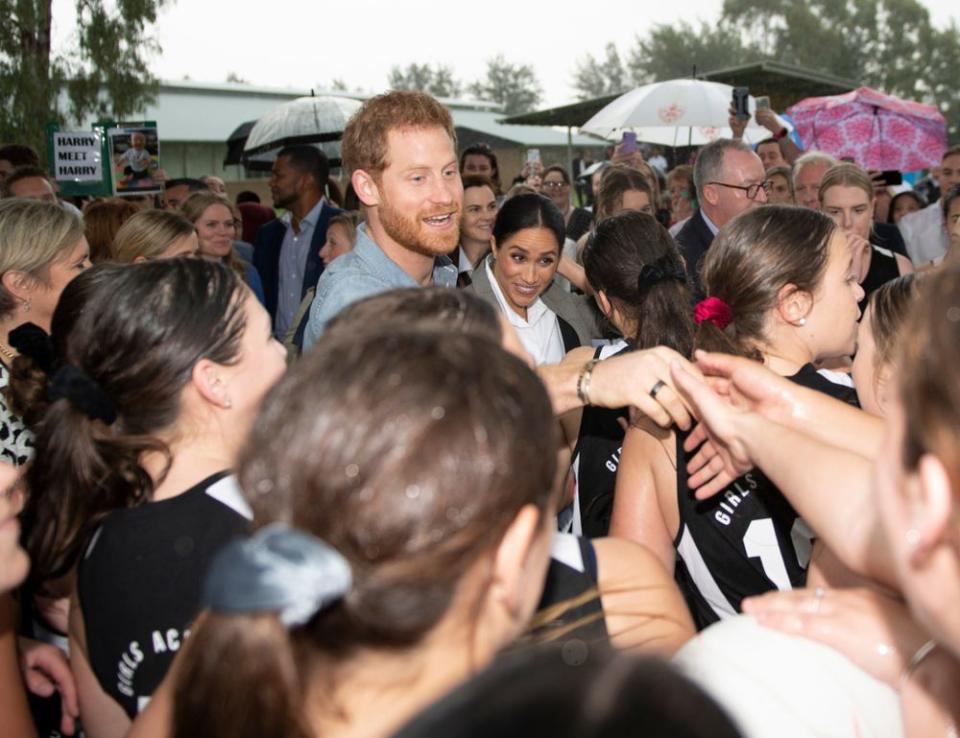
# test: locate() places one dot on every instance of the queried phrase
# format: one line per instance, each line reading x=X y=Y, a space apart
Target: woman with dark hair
x=781 y=290
x=904 y=203
x=518 y=277
x=350 y=624
x=637 y=276
x=101 y=221
x=150 y=394
x=555 y=184
x=480 y=161
x=896 y=522
x=476 y=226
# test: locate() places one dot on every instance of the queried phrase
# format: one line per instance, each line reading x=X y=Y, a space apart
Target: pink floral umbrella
x=878 y=131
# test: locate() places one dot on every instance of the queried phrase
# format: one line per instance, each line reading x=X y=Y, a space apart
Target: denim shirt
x=363 y=272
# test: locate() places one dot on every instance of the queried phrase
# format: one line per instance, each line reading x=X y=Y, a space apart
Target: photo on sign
x=135 y=157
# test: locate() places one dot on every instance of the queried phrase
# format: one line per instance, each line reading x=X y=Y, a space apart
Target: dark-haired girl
x=782 y=289
x=152 y=391
x=637 y=276
x=518 y=277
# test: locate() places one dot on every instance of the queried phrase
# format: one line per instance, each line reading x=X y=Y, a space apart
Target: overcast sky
x=299 y=43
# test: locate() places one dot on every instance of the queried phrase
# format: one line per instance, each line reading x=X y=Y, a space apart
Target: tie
x=464 y=279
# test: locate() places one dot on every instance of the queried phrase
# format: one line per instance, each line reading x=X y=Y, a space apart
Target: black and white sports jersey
x=140 y=579
x=596 y=458
x=571 y=575
x=747 y=539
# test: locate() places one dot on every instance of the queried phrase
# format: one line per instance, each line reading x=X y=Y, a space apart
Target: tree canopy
x=514 y=86
x=890 y=45
x=104 y=70
x=437 y=79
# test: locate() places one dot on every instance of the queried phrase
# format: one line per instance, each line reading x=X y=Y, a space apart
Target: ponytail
x=634 y=262
x=239 y=676
x=756 y=255
x=126 y=338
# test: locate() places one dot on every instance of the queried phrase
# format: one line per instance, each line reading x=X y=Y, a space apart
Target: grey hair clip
x=277 y=570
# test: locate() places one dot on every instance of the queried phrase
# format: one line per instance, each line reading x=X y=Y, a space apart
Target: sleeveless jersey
x=140 y=579
x=573 y=573
x=745 y=540
x=883 y=269
x=596 y=458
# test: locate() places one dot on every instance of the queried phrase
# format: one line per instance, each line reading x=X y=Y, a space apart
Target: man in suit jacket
x=730 y=179
x=287 y=249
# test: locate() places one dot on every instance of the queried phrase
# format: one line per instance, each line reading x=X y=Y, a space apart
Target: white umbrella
x=679 y=112
x=306 y=120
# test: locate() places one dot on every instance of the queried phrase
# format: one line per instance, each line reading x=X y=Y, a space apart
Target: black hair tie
x=661 y=270
x=33 y=342
x=73 y=384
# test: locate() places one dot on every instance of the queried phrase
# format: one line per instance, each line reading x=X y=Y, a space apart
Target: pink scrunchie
x=715 y=310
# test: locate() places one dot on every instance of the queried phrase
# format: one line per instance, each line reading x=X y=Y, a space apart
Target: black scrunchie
x=33 y=342
x=661 y=270
x=71 y=383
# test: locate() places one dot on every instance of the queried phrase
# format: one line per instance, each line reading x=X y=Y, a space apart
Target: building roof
x=488 y=126
x=784 y=84
x=207 y=112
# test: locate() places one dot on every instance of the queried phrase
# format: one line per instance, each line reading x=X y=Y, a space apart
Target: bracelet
x=782 y=133
x=583 y=381
x=918 y=658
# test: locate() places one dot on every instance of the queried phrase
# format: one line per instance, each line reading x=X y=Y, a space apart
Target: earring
x=227 y=403
x=802 y=321
x=913 y=539
x=26 y=306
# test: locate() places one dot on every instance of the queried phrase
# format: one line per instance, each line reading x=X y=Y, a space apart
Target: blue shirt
x=363 y=272
x=293 y=262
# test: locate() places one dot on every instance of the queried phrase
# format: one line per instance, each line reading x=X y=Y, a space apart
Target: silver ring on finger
x=656 y=388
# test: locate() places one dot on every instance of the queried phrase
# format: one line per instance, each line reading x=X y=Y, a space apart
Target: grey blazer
x=572 y=308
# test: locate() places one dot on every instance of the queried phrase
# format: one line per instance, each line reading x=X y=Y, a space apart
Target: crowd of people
x=428 y=454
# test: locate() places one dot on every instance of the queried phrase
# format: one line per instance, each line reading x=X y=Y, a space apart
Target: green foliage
x=514 y=86
x=104 y=72
x=672 y=51
x=593 y=78
x=890 y=45
x=438 y=79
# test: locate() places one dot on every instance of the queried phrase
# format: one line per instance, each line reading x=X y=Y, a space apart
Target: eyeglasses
x=751 y=190
x=554 y=185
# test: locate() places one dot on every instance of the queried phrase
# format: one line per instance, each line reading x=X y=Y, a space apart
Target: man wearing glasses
x=729 y=178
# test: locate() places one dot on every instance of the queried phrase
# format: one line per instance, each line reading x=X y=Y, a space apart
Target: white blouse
x=539 y=333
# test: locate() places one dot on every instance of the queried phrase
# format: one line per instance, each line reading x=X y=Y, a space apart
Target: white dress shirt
x=539 y=333
x=923 y=232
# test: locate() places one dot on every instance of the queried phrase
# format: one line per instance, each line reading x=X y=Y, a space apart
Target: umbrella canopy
x=236 y=142
x=678 y=112
x=306 y=120
x=877 y=131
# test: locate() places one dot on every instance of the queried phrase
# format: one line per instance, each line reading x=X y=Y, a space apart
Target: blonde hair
x=149 y=234
x=846 y=175
x=195 y=206
x=348 y=220
x=33 y=235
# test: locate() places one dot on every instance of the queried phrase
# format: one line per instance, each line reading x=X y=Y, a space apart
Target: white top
x=923 y=232
x=539 y=333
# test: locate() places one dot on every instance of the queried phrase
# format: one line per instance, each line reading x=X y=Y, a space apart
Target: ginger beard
x=440 y=236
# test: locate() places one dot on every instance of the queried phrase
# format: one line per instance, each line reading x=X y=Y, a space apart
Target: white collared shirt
x=539 y=333
x=925 y=235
